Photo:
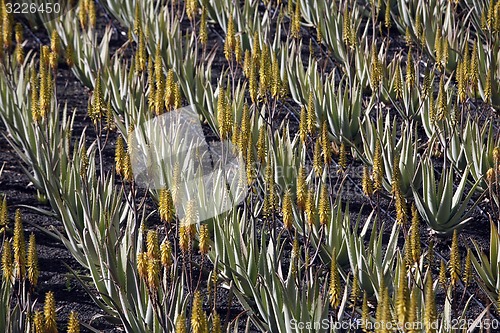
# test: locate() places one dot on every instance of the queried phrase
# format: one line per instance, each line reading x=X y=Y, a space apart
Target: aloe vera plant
x=443 y=207
x=487 y=265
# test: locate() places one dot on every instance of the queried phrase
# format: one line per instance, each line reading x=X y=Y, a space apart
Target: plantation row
x=307 y=92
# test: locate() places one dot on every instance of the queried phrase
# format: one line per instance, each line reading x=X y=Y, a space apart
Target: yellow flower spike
x=247 y=63
x=92 y=13
x=375 y=68
x=7 y=24
x=170 y=90
x=203 y=27
x=365 y=314
x=319 y=34
x=142 y=265
x=326 y=144
x=398 y=82
x=140 y=56
x=442 y=101
x=346 y=27
x=38 y=322
x=366 y=182
x=487 y=88
x=4 y=218
x=496 y=155
x=221 y=113
x=287 y=210
x=303 y=125
x=7 y=264
x=378 y=170
x=402 y=296
x=187 y=227
x=69 y=56
x=310 y=210
x=490 y=175
x=387 y=17
x=301 y=188
x=250 y=163
x=408 y=259
x=415 y=234
x=180 y=324
x=119 y=155
x=461 y=82
x=152 y=245
x=98 y=100
x=465 y=61
x=35 y=99
x=334 y=291
x=410 y=70
x=153 y=273
x=73 y=323
x=127 y=168
x=191 y=8
x=204 y=239
x=444 y=50
x=490 y=20
x=265 y=71
x=228 y=114
x=238 y=51
x=49 y=312
x=413 y=313
x=454 y=263
x=32 y=262
x=137 y=19
x=343 y=157
x=324 y=206
x=276 y=79
x=19 y=52
x=245 y=130
x=386 y=308
x=199 y=322
x=230 y=42
x=497 y=17
x=177 y=96
x=216 y=323
x=408 y=38
x=418 y=26
x=166 y=254
x=45 y=86
x=437 y=46
x=55 y=42
x=355 y=291
x=252 y=84
x=261 y=144
x=110 y=118
x=311 y=114
x=82 y=13
x=19 y=246
x=166 y=206
x=317 y=160
x=296 y=21
x=430 y=311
